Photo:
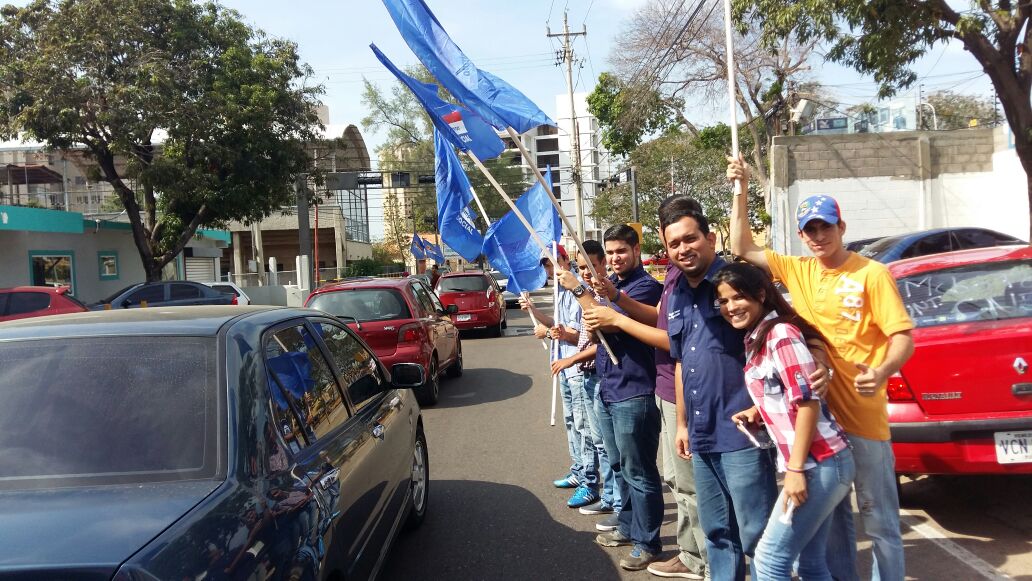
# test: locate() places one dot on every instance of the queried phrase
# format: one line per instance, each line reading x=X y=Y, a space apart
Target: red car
x=22 y=302
x=478 y=298
x=402 y=321
x=963 y=403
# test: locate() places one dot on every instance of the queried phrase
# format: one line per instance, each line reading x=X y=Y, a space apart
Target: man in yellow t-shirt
x=854 y=303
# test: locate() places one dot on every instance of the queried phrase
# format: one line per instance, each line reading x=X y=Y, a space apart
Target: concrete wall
x=892 y=183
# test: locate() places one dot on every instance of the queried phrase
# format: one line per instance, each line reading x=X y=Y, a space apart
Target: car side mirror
x=451 y=309
x=407 y=375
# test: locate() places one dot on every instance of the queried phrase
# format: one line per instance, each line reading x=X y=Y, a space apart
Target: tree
x=680 y=51
x=956 y=111
x=699 y=170
x=204 y=116
x=409 y=147
x=626 y=113
x=884 y=37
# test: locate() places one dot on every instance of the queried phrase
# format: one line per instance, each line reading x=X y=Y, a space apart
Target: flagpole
x=534 y=234
x=480 y=206
x=731 y=93
x=555 y=342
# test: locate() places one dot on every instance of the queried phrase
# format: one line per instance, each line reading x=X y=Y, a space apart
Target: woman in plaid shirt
x=812 y=448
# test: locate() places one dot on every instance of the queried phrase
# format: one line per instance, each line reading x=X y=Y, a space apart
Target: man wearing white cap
x=854 y=303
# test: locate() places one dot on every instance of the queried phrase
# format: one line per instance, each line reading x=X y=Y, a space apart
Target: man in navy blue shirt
x=626 y=405
x=734 y=480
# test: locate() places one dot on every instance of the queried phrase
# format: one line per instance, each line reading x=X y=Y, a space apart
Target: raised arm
x=742 y=242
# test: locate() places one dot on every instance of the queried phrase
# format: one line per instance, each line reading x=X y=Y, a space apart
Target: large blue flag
x=453 y=198
x=463 y=128
x=510 y=248
x=490 y=97
x=434 y=251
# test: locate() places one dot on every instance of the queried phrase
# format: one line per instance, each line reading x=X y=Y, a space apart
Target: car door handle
x=1021 y=389
x=378 y=431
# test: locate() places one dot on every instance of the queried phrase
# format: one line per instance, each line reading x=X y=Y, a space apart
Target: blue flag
x=417 y=247
x=453 y=198
x=434 y=251
x=463 y=128
x=498 y=102
x=510 y=248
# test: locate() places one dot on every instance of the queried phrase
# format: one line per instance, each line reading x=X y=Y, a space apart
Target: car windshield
x=978 y=292
x=107 y=410
x=878 y=246
x=376 y=304
x=461 y=284
x=226 y=289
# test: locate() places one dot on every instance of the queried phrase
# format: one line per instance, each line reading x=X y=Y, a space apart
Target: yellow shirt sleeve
x=887 y=308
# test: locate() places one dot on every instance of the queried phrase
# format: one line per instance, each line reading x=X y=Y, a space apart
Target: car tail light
x=234 y=301
x=489 y=295
x=411 y=333
x=898 y=390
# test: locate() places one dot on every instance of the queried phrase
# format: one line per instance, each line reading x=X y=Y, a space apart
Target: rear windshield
x=981 y=292
x=88 y=411
x=225 y=289
x=458 y=284
x=363 y=304
x=878 y=246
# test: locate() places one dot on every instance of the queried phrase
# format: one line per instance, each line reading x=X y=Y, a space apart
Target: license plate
x=1013 y=447
x=463 y=317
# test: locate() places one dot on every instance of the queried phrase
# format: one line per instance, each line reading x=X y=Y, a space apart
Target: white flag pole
x=731 y=85
x=555 y=317
x=533 y=232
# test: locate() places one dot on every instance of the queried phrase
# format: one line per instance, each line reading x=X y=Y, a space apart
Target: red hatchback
x=22 y=302
x=963 y=403
x=478 y=298
x=402 y=321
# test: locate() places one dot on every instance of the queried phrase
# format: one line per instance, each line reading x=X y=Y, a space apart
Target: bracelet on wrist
x=796 y=470
x=616 y=299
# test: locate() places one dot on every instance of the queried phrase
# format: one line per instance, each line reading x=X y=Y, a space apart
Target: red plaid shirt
x=777 y=379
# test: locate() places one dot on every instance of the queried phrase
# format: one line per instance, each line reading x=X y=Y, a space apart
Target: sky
x=508 y=39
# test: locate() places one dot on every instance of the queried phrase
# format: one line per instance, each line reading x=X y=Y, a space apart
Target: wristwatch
x=579 y=291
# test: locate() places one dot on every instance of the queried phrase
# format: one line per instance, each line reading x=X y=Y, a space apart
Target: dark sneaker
x=614 y=539
x=582 y=497
x=600 y=507
x=568 y=481
x=638 y=559
x=673 y=568
x=610 y=523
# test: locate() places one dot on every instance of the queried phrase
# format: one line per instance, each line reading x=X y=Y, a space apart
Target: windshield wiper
x=357 y=322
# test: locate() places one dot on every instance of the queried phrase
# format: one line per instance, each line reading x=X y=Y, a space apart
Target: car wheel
x=455 y=369
x=496 y=331
x=505 y=320
x=420 y=480
x=428 y=394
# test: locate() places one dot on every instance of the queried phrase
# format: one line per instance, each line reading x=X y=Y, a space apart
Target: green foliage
x=956 y=111
x=627 y=114
x=205 y=116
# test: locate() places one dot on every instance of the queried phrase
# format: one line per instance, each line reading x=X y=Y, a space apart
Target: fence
x=289 y=277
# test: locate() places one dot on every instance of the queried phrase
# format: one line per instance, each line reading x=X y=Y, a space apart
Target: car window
x=877 y=247
x=423 y=296
x=363 y=304
x=932 y=244
x=180 y=292
x=453 y=284
x=154 y=293
x=300 y=381
x=989 y=291
x=27 y=302
x=358 y=370
x=973 y=238
x=104 y=410
x=225 y=288
x=3 y=303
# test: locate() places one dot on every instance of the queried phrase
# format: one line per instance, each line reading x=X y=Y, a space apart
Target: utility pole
x=634 y=196
x=566 y=55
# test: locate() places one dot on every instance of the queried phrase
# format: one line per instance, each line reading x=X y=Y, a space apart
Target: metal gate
x=199 y=269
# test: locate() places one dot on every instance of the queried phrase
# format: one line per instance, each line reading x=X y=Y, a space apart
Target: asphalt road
x=495 y=515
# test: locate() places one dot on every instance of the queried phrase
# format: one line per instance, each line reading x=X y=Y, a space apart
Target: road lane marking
x=937 y=536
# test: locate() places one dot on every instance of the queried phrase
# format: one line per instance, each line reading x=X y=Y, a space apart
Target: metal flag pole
x=731 y=93
x=555 y=342
x=534 y=234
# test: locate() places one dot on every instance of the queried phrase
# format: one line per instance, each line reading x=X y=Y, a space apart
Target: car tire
x=455 y=369
x=505 y=321
x=428 y=394
x=419 y=499
x=496 y=331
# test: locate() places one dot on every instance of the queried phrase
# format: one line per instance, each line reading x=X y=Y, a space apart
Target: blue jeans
x=577 y=432
x=806 y=536
x=736 y=492
x=610 y=494
x=878 y=503
x=630 y=430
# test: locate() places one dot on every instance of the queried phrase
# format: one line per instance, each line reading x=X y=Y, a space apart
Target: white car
x=501 y=280
x=232 y=289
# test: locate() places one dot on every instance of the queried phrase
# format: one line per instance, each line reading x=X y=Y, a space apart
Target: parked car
x=934 y=241
x=479 y=301
x=963 y=402
x=511 y=300
x=169 y=293
x=233 y=289
x=22 y=302
x=402 y=320
x=205 y=442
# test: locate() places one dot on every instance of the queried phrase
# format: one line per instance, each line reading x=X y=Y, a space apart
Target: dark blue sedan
x=203 y=443
x=934 y=241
